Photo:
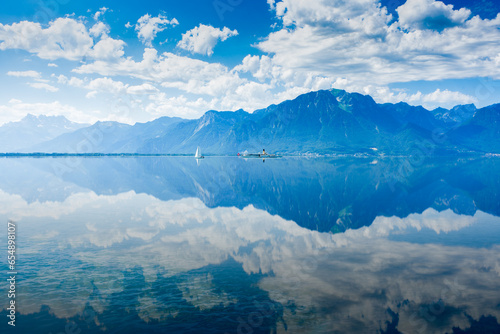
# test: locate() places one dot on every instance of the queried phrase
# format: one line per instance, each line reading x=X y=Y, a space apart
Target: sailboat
x=198 y=155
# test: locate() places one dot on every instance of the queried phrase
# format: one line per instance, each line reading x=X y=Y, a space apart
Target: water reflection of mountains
x=324 y=194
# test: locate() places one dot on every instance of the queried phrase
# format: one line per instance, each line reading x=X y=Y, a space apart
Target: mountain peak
x=469 y=107
x=457 y=114
x=29 y=116
x=45 y=119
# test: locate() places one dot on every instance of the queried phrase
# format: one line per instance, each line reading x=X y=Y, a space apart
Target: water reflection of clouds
x=439 y=222
x=324 y=281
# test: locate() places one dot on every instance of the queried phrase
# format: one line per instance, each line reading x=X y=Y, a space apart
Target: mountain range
x=324 y=122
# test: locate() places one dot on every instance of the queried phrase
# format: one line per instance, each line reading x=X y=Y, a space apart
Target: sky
x=131 y=61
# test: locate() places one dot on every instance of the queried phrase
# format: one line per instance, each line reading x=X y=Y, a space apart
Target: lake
x=233 y=245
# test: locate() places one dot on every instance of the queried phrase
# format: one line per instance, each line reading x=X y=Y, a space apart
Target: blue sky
x=135 y=61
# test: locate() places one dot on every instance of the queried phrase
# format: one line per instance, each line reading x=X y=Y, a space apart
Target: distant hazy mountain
x=327 y=121
x=107 y=137
x=99 y=137
x=33 y=130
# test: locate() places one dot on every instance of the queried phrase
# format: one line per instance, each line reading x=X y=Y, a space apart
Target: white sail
x=198 y=153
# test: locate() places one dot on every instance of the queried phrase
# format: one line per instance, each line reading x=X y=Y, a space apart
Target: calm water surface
x=228 y=245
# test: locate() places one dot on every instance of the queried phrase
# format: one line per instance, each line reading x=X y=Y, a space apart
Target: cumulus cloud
x=107 y=48
x=202 y=39
x=226 y=89
x=107 y=85
x=261 y=68
x=64 y=38
x=170 y=70
x=334 y=16
x=179 y=106
x=430 y=14
x=73 y=81
x=147 y=27
x=99 y=29
x=100 y=12
x=266 y=70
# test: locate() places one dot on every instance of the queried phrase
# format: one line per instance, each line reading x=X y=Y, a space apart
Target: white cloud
x=108 y=48
x=73 y=81
x=99 y=29
x=202 y=39
x=100 y=12
x=147 y=27
x=76 y=82
x=261 y=68
x=64 y=38
x=107 y=85
x=446 y=98
x=430 y=14
x=25 y=74
x=92 y=94
x=264 y=69
x=178 y=106
x=438 y=98
x=190 y=75
x=45 y=86
x=142 y=89
x=61 y=78
x=52 y=65
x=228 y=91
x=249 y=95
x=356 y=40
x=335 y=15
